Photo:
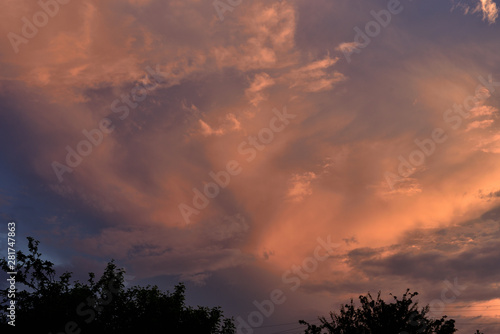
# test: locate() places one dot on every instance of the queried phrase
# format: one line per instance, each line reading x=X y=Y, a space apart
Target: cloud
x=315 y=76
x=347 y=47
x=207 y=130
x=488 y=143
x=466 y=250
x=492 y=194
x=400 y=185
x=300 y=186
x=170 y=252
x=260 y=82
x=423 y=258
x=483 y=110
x=479 y=124
x=230 y=123
x=490 y=10
x=267 y=38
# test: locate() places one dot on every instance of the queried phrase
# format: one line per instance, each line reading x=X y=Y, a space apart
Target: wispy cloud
x=490 y=10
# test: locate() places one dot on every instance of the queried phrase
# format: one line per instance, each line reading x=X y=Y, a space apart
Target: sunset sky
x=324 y=148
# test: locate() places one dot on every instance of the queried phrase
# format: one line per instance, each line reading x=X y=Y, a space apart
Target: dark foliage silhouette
x=375 y=316
x=47 y=304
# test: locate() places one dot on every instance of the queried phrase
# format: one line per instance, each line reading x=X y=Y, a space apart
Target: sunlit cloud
x=315 y=77
x=255 y=91
x=300 y=186
x=490 y=10
x=487 y=8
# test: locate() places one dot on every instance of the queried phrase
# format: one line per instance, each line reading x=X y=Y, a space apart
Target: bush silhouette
x=50 y=305
x=375 y=316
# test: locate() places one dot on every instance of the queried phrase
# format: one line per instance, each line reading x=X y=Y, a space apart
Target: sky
x=279 y=157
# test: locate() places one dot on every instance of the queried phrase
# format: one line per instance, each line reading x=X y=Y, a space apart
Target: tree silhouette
x=50 y=305
x=375 y=316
